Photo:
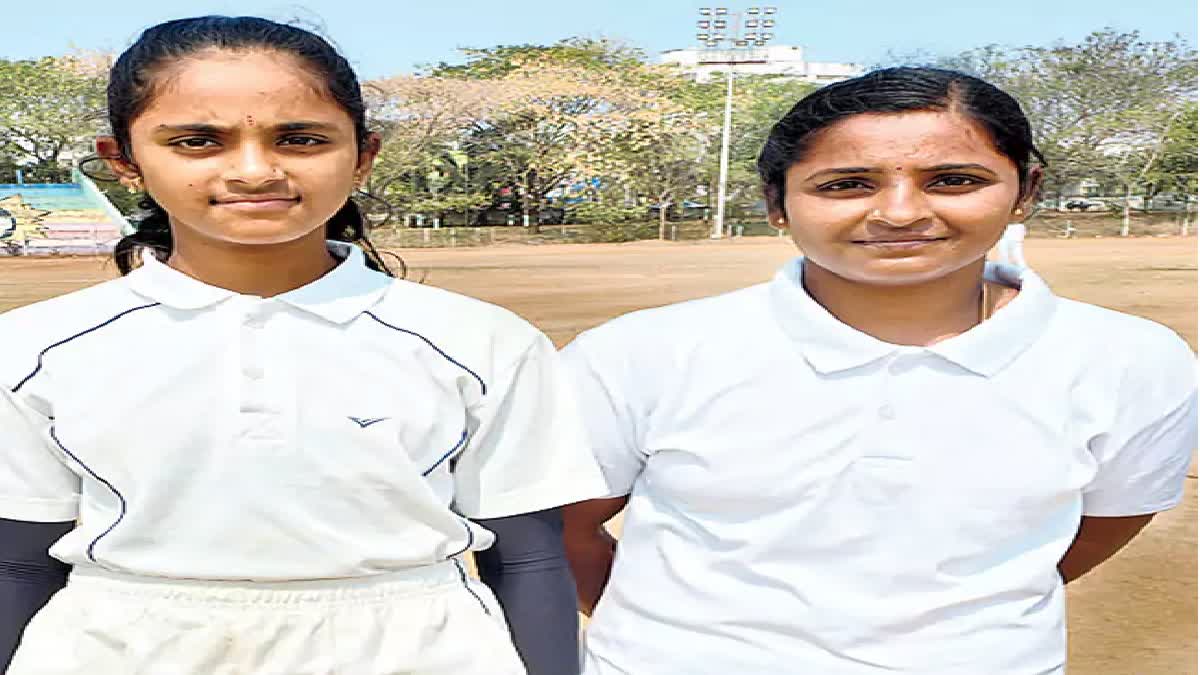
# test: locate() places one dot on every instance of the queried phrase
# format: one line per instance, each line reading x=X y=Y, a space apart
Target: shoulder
x=1143 y=358
x=1108 y=329
x=27 y=331
x=446 y=317
x=682 y=326
x=65 y=314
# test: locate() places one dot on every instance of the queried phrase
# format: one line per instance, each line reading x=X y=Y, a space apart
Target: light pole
x=741 y=32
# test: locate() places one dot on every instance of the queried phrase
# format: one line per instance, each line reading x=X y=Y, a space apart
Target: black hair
x=131 y=87
x=894 y=90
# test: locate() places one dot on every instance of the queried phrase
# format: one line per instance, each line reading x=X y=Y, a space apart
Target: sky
x=387 y=37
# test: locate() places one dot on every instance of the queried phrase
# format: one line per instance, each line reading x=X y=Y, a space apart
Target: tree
x=422 y=121
x=1100 y=109
x=50 y=107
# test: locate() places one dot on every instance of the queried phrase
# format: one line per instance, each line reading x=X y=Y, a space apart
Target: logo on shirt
x=364 y=422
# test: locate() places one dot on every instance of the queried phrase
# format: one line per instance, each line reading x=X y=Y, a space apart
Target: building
x=58 y=219
x=767 y=60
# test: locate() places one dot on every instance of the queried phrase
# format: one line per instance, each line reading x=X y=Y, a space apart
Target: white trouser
x=426 y=621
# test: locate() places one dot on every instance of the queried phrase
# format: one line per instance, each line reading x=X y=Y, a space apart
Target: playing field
x=1135 y=616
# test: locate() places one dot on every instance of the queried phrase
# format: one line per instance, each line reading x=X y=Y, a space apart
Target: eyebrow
x=304 y=125
x=847 y=170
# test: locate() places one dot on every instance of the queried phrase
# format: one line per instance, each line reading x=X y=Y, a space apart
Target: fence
x=1045 y=224
x=447 y=237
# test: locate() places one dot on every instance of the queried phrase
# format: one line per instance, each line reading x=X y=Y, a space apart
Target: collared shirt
x=805 y=498
x=346 y=428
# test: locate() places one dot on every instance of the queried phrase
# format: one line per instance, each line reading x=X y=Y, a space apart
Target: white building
x=705 y=64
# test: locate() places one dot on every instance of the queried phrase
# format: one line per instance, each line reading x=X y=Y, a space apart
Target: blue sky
x=383 y=37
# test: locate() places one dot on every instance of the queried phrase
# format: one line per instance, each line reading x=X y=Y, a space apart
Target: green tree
x=48 y=107
x=1101 y=109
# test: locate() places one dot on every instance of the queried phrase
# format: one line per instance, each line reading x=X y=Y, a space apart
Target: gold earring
x=1019 y=212
x=135 y=184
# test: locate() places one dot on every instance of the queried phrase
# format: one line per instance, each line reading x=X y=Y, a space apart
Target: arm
x=1098 y=540
x=528 y=572
x=590 y=548
x=28 y=577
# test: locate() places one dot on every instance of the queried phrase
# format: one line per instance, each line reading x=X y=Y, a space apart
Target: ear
x=1032 y=187
x=366 y=157
x=776 y=217
x=109 y=150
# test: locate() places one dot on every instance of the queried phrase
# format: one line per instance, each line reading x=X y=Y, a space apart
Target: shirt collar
x=831 y=346
x=343 y=293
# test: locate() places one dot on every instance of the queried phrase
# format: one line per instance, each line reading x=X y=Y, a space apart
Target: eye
x=302 y=140
x=845 y=185
x=194 y=142
x=956 y=181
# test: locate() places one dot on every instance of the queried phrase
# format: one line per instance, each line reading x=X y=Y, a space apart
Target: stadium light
x=736 y=35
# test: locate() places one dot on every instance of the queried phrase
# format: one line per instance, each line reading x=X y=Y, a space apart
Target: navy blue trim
x=42 y=354
x=462 y=574
x=437 y=349
x=470 y=541
x=92 y=546
x=446 y=456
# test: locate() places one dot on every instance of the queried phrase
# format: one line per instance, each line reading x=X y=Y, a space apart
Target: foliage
x=50 y=107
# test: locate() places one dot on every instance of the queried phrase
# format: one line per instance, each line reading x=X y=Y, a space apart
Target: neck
x=261 y=270
x=918 y=314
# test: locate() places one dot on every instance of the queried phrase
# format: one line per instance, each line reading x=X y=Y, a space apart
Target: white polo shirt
x=346 y=428
x=805 y=498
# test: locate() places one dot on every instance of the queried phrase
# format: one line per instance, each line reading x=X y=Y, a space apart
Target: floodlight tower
x=732 y=39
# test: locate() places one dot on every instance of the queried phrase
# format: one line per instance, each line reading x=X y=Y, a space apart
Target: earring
x=135 y=184
x=1018 y=212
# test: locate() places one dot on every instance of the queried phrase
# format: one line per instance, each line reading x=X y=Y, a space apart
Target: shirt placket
x=261 y=410
x=886 y=463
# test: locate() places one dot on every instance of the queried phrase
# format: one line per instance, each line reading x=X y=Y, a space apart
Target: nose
x=253 y=165
x=903 y=204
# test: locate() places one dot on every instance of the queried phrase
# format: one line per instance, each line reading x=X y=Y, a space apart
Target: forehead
x=218 y=85
x=910 y=137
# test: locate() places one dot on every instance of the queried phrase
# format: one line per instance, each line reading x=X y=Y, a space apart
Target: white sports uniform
x=1011 y=247
x=805 y=498
x=278 y=485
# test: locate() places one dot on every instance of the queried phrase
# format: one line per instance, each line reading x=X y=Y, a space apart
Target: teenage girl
x=256 y=452
x=892 y=457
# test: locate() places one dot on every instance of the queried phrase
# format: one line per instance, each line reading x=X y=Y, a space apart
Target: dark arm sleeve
x=527 y=569
x=28 y=577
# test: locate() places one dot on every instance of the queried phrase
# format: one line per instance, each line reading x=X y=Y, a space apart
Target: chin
x=897 y=270
x=261 y=236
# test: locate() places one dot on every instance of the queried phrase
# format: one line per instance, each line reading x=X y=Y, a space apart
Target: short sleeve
x=35 y=484
x=1144 y=458
x=613 y=421
x=529 y=451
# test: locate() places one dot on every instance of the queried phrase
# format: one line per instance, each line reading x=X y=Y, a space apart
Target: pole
x=718 y=230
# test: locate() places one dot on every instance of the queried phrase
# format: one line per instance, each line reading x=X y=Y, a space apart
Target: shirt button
x=887 y=412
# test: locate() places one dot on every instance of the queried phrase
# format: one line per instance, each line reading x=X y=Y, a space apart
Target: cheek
x=980 y=212
x=815 y=218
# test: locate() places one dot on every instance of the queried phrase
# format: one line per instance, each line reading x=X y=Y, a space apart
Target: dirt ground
x=1134 y=616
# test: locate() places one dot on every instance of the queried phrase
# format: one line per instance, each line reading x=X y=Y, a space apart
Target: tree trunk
x=662 y=221
x=1187 y=214
x=1125 y=212
x=531 y=203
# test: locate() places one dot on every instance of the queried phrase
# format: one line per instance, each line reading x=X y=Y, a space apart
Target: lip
x=258 y=203
x=913 y=242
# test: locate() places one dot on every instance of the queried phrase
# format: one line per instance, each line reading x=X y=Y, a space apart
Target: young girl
x=892 y=457
x=258 y=453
